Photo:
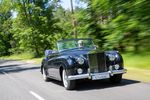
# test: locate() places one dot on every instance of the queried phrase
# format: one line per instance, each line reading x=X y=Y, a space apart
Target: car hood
x=76 y=52
x=79 y=52
x=85 y=52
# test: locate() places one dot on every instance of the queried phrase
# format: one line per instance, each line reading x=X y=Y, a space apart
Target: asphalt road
x=23 y=81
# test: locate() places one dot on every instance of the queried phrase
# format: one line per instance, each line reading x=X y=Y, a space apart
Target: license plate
x=97 y=76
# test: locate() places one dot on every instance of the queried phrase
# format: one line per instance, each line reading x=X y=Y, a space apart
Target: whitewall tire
x=45 y=75
x=68 y=84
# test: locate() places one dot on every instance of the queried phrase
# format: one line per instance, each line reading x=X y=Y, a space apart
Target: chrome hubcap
x=44 y=74
x=65 y=81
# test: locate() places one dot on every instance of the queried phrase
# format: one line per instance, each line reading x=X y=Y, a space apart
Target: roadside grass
x=138 y=65
x=35 y=60
x=27 y=57
x=137 y=74
x=141 y=61
x=22 y=56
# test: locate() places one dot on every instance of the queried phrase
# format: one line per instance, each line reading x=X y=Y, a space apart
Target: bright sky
x=66 y=4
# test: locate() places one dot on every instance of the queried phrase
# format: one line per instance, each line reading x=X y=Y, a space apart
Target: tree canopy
x=113 y=24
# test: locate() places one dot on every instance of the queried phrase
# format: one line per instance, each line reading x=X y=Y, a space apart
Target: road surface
x=23 y=81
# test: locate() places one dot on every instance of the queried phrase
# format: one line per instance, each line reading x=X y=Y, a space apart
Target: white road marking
x=8 y=76
x=36 y=95
x=31 y=92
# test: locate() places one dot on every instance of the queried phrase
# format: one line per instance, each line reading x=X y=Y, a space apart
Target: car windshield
x=75 y=44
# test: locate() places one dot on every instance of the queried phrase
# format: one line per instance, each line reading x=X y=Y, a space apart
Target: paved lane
x=23 y=81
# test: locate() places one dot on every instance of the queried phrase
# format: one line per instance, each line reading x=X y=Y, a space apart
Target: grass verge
x=28 y=57
x=138 y=74
x=138 y=66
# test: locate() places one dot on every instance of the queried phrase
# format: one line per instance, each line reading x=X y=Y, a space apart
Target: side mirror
x=48 y=52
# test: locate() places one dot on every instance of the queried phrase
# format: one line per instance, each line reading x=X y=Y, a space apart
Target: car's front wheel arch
x=41 y=69
x=60 y=71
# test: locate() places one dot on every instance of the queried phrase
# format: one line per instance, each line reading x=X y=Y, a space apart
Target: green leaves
x=114 y=24
x=33 y=28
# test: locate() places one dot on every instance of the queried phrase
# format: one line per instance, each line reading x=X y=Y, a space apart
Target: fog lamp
x=80 y=71
x=117 y=66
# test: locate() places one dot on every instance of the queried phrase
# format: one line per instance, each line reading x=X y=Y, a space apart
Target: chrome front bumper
x=89 y=75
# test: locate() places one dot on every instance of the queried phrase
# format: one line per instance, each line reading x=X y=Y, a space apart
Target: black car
x=80 y=59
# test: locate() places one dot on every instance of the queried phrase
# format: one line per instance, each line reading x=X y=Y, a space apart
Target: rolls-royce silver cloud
x=80 y=59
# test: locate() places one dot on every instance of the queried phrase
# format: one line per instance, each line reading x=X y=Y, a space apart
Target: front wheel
x=68 y=84
x=45 y=75
x=116 y=78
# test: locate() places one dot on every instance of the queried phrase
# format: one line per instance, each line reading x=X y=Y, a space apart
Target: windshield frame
x=67 y=40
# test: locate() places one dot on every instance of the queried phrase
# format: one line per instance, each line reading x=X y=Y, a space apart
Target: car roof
x=75 y=39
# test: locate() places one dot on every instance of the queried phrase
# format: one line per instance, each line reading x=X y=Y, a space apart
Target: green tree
x=35 y=26
x=5 y=26
x=122 y=23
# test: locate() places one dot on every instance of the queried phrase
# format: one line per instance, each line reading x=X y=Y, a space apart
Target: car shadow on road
x=102 y=84
x=99 y=84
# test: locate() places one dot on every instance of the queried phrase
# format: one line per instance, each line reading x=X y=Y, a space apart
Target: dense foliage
x=35 y=25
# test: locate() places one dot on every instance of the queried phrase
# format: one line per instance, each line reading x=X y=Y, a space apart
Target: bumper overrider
x=97 y=76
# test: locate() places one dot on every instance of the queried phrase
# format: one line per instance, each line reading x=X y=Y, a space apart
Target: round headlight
x=111 y=57
x=80 y=71
x=117 y=66
x=80 y=60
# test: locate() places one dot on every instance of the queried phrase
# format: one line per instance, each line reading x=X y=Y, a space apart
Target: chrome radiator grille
x=97 y=62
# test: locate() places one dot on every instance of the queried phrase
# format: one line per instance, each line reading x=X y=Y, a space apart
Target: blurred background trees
x=35 y=25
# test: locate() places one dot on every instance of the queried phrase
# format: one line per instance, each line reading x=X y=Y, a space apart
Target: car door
x=53 y=68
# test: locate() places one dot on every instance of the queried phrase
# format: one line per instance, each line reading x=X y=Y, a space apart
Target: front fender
x=68 y=64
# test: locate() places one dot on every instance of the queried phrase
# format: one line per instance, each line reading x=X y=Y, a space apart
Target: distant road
x=23 y=81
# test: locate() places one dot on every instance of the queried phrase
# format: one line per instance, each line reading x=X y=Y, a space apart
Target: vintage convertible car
x=80 y=59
